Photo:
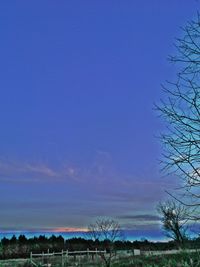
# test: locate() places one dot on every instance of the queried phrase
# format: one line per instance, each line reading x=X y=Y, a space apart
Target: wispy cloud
x=139 y=221
x=68 y=229
x=85 y=190
x=97 y=181
x=18 y=171
x=43 y=230
x=141 y=217
x=40 y=169
x=23 y=171
x=97 y=171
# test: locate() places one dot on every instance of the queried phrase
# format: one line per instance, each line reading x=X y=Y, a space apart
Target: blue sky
x=78 y=131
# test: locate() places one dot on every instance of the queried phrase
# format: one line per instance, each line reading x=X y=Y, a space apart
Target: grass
x=15 y=263
x=183 y=259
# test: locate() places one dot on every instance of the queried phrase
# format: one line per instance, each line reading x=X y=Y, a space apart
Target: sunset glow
x=68 y=229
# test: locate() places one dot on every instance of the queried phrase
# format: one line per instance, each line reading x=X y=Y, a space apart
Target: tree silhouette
x=107 y=231
x=174 y=218
x=181 y=112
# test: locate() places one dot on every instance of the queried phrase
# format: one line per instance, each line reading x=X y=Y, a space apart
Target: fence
x=45 y=258
x=74 y=258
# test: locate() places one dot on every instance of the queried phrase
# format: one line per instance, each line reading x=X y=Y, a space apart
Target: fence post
x=67 y=255
x=48 y=257
x=96 y=254
x=62 y=259
x=79 y=259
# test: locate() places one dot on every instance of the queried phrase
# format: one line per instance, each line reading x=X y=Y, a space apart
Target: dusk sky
x=78 y=83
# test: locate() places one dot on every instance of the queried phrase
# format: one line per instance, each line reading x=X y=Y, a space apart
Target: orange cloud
x=69 y=229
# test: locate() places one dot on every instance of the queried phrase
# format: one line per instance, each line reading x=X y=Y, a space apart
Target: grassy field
x=14 y=263
x=177 y=260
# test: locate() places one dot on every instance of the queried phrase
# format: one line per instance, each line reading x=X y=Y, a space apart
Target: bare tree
x=108 y=231
x=181 y=111
x=174 y=218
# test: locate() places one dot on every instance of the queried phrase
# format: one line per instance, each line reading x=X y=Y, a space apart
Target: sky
x=78 y=83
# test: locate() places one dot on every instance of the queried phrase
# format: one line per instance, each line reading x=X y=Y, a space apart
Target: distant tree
x=13 y=240
x=56 y=242
x=107 y=231
x=174 y=218
x=42 y=239
x=22 y=239
x=181 y=112
x=5 y=241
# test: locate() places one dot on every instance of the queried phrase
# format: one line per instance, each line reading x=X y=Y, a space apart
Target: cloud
x=99 y=174
x=25 y=171
x=68 y=229
x=40 y=169
x=140 y=217
x=16 y=230
x=139 y=221
x=98 y=184
x=84 y=190
x=142 y=226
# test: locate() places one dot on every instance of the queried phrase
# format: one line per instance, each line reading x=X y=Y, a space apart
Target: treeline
x=21 y=247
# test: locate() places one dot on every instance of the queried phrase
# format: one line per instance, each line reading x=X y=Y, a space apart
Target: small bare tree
x=181 y=112
x=174 y=218
x=108 y=231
